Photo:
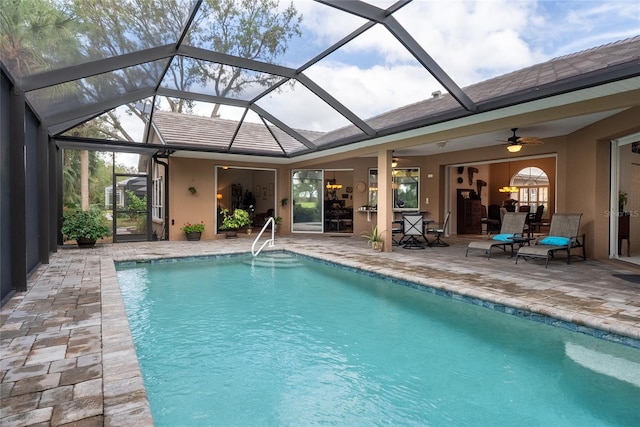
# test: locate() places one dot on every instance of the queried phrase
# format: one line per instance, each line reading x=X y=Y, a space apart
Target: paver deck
x=67 y=356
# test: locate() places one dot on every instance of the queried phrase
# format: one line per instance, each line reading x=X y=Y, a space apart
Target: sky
x=471 y=40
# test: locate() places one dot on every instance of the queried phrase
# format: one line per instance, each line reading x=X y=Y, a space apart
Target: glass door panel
x=307 y=195
x=625 y=200
x=131 y=209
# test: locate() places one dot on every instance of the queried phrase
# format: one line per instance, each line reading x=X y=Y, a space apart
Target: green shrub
x=238 y=219
x=84 y=224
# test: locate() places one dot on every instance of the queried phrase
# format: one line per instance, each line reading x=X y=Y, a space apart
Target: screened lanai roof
x=280 y=78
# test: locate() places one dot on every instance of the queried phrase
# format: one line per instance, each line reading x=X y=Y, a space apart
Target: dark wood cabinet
x=624 y=232
x=469 y=213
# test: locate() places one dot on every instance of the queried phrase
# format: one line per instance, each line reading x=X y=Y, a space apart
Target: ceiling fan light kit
x=514 y=148
x=516 y=142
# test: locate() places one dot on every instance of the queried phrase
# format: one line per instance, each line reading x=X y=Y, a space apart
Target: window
x=157 y=211
x=108 y=197
x=405 y=184
x=533 y=188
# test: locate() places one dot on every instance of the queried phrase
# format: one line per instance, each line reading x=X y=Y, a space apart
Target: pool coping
x=506 y=304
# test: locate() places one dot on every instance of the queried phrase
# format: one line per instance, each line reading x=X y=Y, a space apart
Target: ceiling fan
x=516 y=142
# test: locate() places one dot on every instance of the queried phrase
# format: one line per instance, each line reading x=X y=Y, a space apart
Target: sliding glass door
x=307 y=192
x=625 y=199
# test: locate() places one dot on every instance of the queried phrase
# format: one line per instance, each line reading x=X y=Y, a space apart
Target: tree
x=80 y=191
x=36 y=36
x=253 y=29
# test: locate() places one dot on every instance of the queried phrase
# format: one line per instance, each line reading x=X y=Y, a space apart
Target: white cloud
x=471 y=40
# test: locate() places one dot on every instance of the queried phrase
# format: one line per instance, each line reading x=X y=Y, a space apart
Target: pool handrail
x=271 y=221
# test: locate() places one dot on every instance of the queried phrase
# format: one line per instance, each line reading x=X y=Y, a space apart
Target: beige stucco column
x=385 y=209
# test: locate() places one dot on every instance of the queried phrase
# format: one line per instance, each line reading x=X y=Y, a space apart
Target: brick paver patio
x=67 y=356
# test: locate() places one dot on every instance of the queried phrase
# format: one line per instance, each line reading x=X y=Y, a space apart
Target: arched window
x=533 y=188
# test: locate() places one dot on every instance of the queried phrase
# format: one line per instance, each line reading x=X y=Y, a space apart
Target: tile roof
x=216 y=133
x=562 y=74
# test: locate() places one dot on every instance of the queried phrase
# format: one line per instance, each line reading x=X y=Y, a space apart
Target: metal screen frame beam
x=17 y=184
x=373 y=13
x=93 y=68
x=98 y=107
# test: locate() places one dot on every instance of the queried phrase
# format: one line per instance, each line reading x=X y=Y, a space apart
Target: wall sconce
x=219 y=196
x=514 y=148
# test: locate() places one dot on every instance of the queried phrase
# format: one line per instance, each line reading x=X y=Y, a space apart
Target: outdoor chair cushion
x=555 y=241
x=504 y=237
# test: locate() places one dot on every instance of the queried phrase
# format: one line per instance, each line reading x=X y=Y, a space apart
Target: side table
x=520 y=241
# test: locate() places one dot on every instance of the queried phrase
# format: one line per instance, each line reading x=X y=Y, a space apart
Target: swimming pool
x=234 y=341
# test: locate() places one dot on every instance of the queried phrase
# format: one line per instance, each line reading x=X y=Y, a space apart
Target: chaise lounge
x=512 y=227
x=563 y=236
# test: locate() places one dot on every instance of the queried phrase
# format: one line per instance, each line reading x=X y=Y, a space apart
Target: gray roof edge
x=594 y=78
x=591 y=76
x=599 y=77
x=583 y=53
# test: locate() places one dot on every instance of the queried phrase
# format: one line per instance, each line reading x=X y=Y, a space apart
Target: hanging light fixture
x=394 y=160
x=332 y=184
x=509 y=188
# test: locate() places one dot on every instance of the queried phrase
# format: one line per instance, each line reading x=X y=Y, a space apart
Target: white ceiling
x=544 y=130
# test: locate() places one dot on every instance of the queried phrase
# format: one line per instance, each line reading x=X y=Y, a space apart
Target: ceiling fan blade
x=530 y=140
x=514 y=140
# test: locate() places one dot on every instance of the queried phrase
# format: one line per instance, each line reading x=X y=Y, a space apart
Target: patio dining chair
x=412 y=229
x=512 y=226
x=397 y=236
x=438 y=232
x=563 y=236
x=534 y=221
x=491 y=218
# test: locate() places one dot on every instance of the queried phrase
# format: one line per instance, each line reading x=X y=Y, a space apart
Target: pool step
x=276 y=259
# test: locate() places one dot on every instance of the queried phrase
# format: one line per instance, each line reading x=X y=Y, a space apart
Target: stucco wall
x=577 y=166
x=588 y=177
x=186 y=207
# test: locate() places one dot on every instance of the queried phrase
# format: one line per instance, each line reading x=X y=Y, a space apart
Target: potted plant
x=277 y=220
x=375 y=239
x=232 y=222
x=622 y=201
x=193 y=231
x=86 y=227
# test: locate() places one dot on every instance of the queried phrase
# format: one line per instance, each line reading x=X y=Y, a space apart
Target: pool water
x=240 y=342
